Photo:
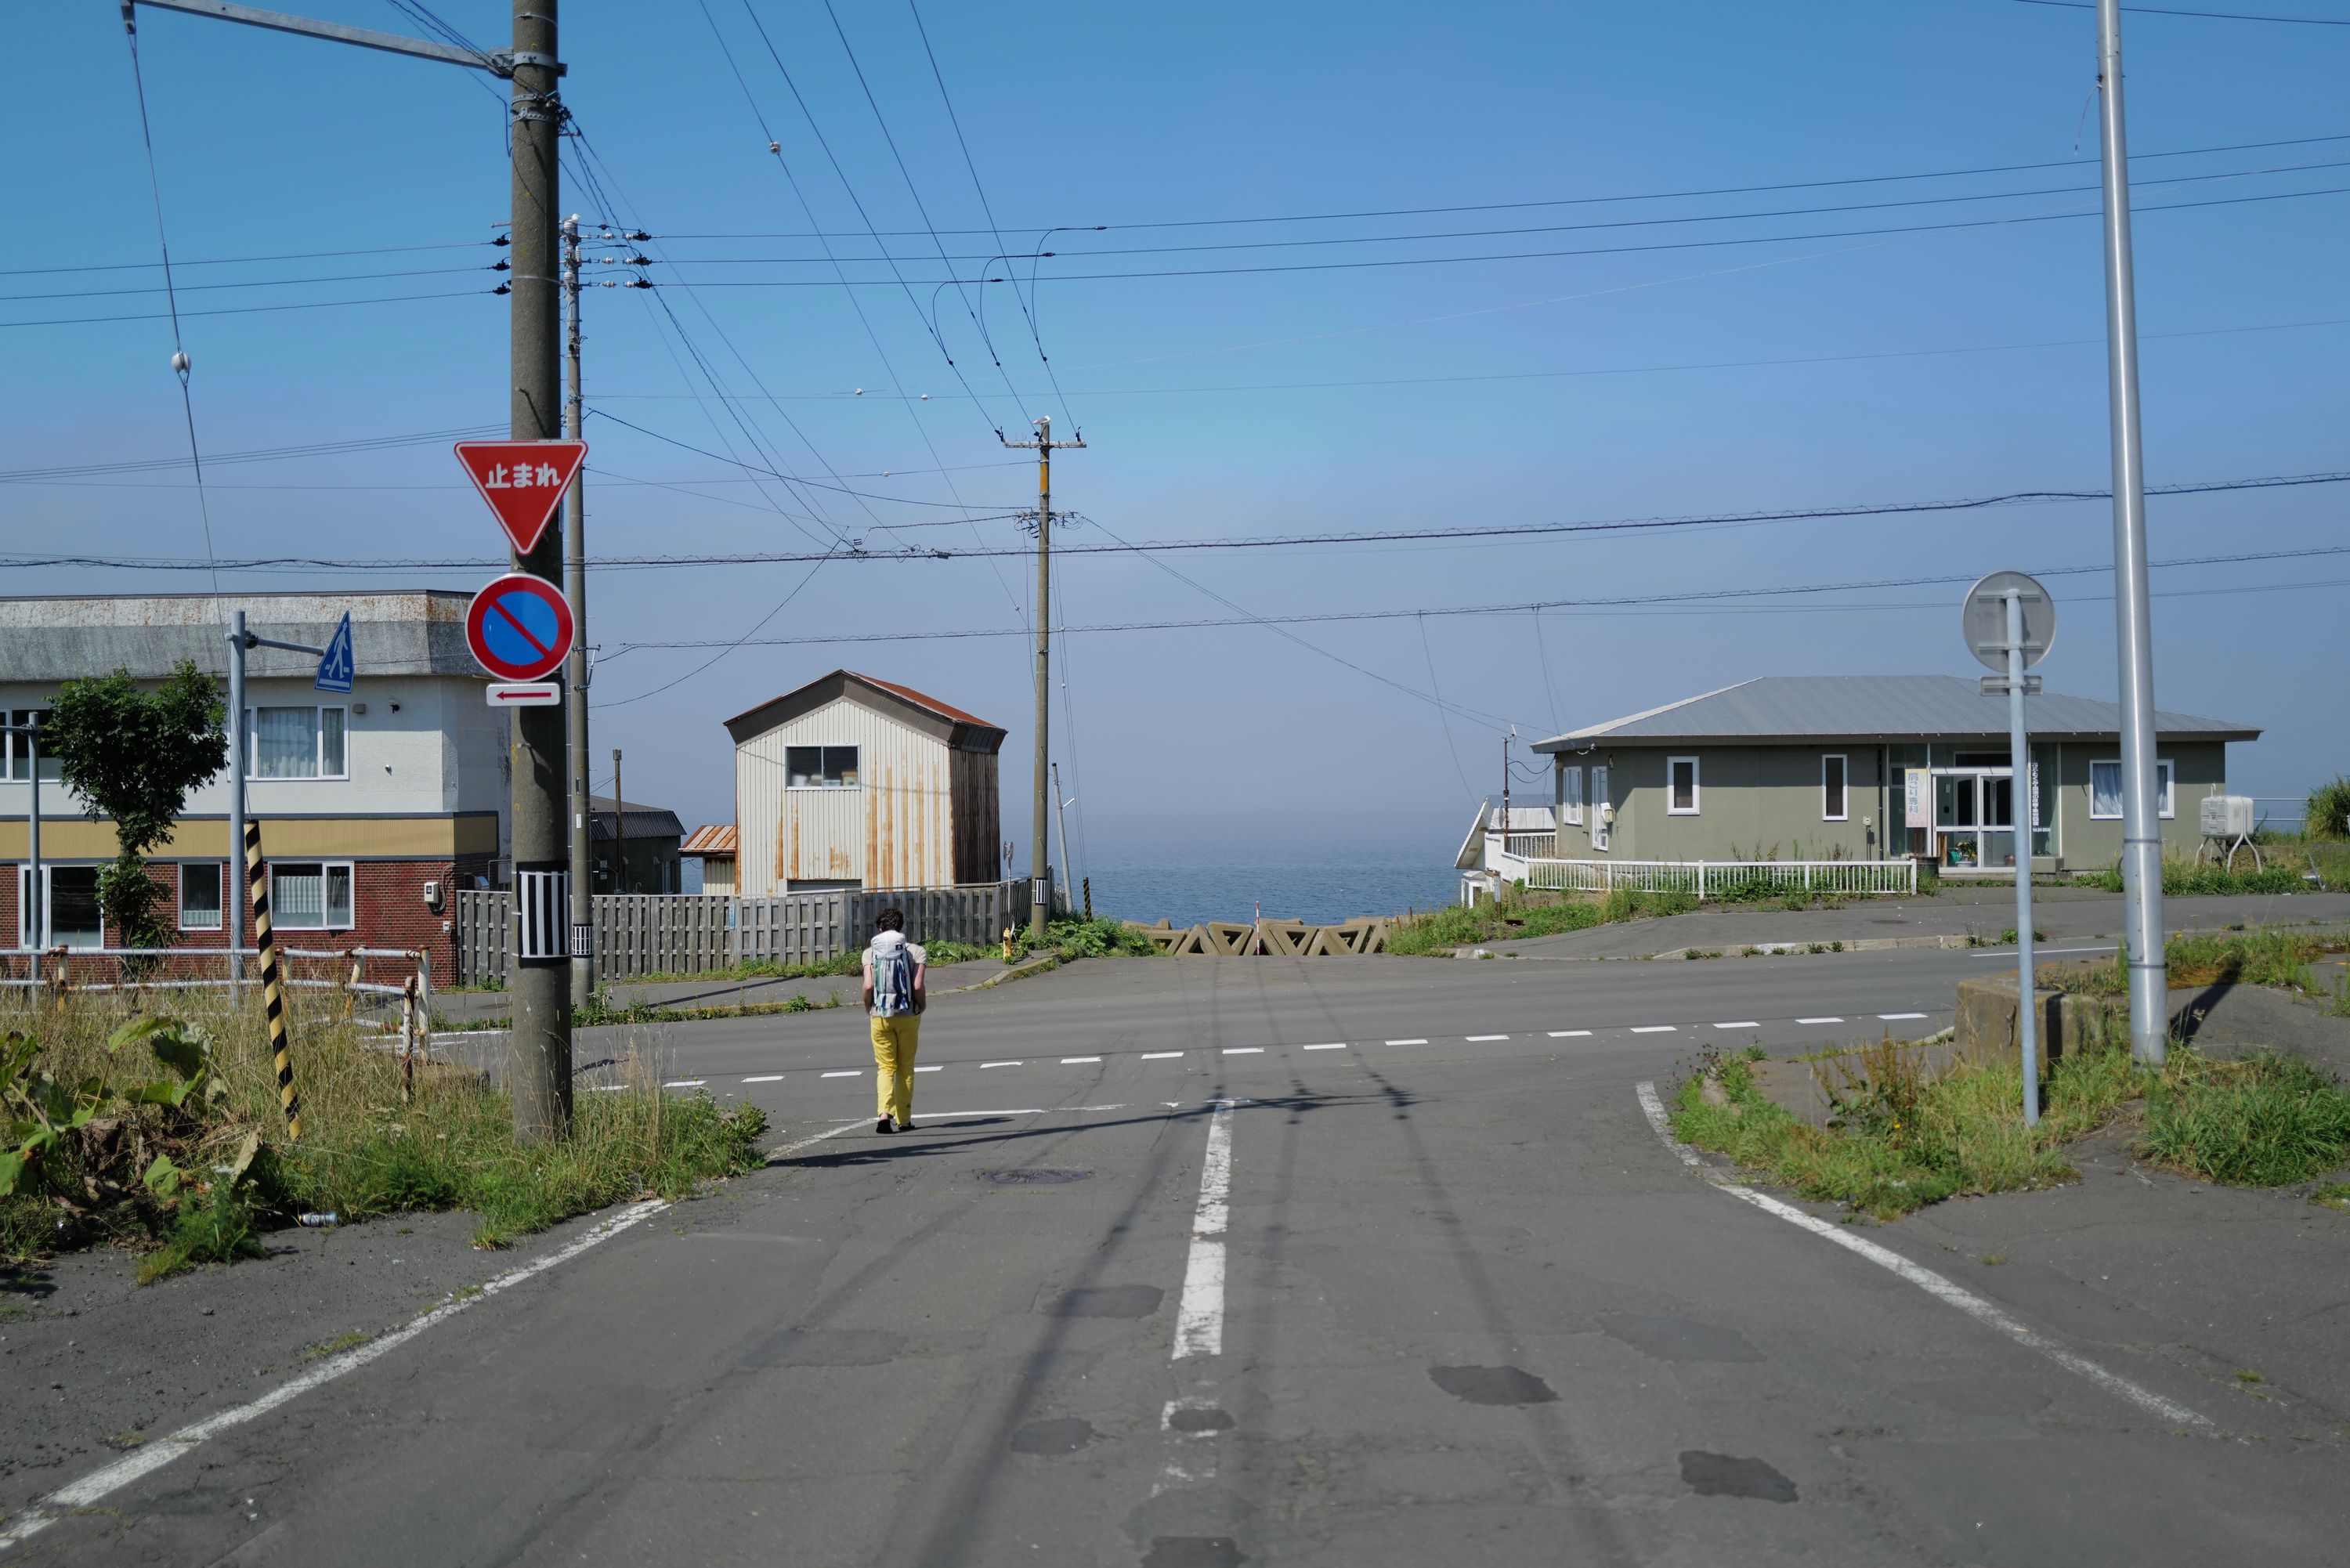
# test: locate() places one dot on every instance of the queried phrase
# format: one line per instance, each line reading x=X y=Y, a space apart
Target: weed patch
x=2264 y=1122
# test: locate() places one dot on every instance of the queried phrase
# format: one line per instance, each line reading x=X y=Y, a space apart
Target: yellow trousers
x=894 y=1043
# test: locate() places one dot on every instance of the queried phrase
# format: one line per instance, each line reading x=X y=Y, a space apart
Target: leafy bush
x=2328 y=814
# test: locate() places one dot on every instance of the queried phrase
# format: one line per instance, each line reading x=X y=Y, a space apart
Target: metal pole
x=1505 y=795
x=2133 y=613
x=2019 y=816
x=583 y=886
x=620 y=829
x=237 y=767
x=1061 y=820
x=1039 y=869
x=541 y=1061
x=38 y=909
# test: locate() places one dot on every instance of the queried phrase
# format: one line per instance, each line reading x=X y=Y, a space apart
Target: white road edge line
x=1200 y=1319
x=1570 y=1034
x=152 y=1456
x=765 y=1078
x=1948 y=1291
x=1819 y=1020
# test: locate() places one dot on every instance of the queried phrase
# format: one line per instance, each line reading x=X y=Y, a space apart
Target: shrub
x=2328 y=814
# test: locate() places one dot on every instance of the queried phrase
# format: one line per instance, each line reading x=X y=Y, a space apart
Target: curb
x=1018 y=971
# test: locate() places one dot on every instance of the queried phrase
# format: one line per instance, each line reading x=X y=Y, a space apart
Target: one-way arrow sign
x=523 y=481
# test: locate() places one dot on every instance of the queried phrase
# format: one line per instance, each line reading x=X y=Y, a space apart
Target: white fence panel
x=1725 y=879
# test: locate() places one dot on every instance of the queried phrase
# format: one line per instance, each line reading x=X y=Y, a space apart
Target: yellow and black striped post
x=273 y=990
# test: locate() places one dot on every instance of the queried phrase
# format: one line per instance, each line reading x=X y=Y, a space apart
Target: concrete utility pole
x=575 y=707
x=1040 y=871
x=620 y=829
x=2149 y=976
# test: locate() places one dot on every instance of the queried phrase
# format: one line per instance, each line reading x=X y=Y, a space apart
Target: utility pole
x=575 y=709
x=33 y=906
x=1061 y=819
x=1040 y=873
x=541 y=1057
x=1505 y=794
x=620 y=829
x=2149 y=978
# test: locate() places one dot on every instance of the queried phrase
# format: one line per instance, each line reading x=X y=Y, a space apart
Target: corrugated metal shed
x=715 y=840
x=65 y=637
x=1875 y=707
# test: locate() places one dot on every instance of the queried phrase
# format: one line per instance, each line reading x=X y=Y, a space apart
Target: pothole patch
x=1065 y=1436
x=1199 y=1419
x=1728 y=1475
x=1493 y=1384
x=1679 y=1338
x=1032 y=1176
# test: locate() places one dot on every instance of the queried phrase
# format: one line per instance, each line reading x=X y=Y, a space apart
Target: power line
x=1388 y=261
x=242 y=261
x=253 y=309
x=2136 y=157
x=2201 y=15
x=1566 y=228
x=256 y=283
x=687 y=446
x=1153 y=548
x=258 y=454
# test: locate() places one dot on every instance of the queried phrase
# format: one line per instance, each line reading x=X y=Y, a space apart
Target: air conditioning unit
x=2227 y=816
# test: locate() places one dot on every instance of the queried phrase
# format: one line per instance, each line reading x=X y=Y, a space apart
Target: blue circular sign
x=519 y=627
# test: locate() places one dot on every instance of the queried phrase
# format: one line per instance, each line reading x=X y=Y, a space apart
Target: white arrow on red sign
x=523 y=481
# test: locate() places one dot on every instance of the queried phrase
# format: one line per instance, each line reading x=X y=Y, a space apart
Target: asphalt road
x=1381 y=1303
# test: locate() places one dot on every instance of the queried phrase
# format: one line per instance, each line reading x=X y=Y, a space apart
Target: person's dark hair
x=890 y=921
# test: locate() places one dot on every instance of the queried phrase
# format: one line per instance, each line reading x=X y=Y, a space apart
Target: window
x=303 y=743
x=1681 y=786
x=821 y=767
x=310 y=895
x=75 y=918
x=200 y=895
x=1570 y=796
x=17 y=749
x=2106 y=789
x=1602 y=830
x=1832 y=771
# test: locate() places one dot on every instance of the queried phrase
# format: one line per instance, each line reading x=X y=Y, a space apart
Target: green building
x=1870 y=767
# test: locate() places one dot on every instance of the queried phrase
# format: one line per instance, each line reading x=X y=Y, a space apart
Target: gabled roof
x=1873 y=706
x=919 y=709
x=715 y=840
x=639 y=821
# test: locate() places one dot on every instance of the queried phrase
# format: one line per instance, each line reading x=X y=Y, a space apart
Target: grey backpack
x=893 y=979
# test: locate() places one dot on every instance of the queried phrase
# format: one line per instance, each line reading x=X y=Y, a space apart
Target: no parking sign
x=519 y=628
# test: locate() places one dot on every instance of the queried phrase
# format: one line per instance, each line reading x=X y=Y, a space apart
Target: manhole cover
x=1032 y=1176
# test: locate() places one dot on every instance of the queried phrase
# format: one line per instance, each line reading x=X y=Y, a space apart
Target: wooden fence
x=694 y=933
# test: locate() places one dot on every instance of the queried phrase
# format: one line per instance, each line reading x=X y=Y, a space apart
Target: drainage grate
x=1032 y=1176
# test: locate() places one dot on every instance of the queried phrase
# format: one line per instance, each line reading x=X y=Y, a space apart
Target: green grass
x=218 y=1227
x=1442 y=931
x=2268 y=956
x=601 y=1010
x=2182 y=876
x=2332 y=1195
x=1901 y=1138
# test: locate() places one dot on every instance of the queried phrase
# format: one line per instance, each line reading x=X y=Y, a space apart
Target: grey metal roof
x=1873 y=706
x=643 y=821
x=410 y=632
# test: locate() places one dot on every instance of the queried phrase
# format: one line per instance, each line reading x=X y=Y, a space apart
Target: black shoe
x=885 y=1125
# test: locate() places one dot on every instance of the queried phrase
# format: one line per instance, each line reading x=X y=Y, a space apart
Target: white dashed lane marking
x=1244 y=1050
x=1485 y=1039
x=1652 y=1029
x=1066 y=1061
x=1570 y=1034
x=1407 y=1041
x=985 y=1065
x=765 y=1078
x=685 y=1083
x=1742 y=1023
x=1900 y=1017
x=930 y=1069
x=1819 y=1020
x=1161 y=1055
x=846 y=1073
x=1340 y=1046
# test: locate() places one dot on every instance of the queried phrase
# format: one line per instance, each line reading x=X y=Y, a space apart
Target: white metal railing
x=1530 y=846
x=1722 y=879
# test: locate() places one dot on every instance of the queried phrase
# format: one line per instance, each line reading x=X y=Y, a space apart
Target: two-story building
x=373 y=806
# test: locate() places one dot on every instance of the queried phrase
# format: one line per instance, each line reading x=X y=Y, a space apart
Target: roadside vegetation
x=1515 y=920
x=1902 y=1134
x=164 y=1135
x=2269 y=956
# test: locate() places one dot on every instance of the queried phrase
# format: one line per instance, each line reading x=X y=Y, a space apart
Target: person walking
x=894 y=998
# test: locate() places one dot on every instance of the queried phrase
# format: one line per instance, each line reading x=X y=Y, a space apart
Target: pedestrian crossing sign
x=335 y=666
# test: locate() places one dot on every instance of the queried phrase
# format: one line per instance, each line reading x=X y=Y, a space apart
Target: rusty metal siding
x=894 y=829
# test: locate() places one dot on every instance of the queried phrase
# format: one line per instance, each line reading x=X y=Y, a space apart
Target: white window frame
x=1695 y=796
x=2165 y=789
x=1570 y=807
x=1603 y=832
x=220 y=896
x=277 y=920
x=318 y=745
x=1843 y=760
x=25 y=937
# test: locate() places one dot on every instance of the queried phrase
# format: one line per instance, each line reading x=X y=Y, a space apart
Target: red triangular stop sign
x=523 y=481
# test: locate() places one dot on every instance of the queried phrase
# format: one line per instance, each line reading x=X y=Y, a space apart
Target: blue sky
x=1845 y=369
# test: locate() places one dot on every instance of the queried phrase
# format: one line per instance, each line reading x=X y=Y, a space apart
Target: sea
x=1186 y=881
